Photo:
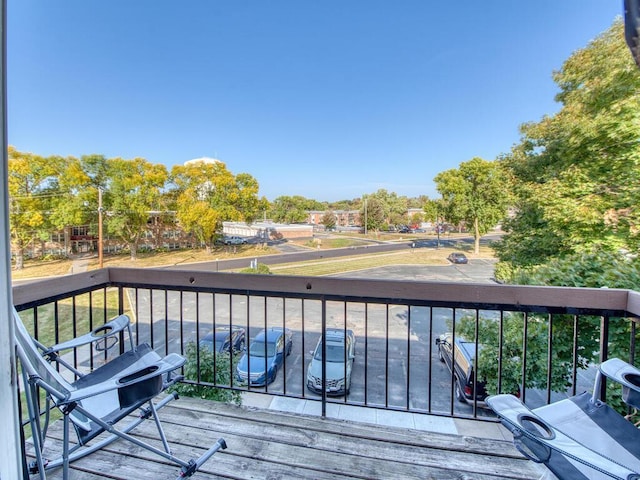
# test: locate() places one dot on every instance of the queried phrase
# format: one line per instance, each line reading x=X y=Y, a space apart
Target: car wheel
x=459 y=392
x=289 y=347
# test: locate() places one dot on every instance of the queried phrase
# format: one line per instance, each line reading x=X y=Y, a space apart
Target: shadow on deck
x=266 y=444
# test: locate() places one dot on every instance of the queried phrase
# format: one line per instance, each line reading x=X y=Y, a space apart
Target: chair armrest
x=140 y=369
x=168 y=364
x=103 y=332
x=535 y=438
x=626 y=375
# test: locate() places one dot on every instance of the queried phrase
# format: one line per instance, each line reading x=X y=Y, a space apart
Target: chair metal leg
x=31 y=392
x=194 y=465
x=65 y=448
x=163 y=437
x=80 y=451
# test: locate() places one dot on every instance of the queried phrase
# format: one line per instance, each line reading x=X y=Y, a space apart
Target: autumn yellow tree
x=33 y=184
x=134 y=188
x=208 y=194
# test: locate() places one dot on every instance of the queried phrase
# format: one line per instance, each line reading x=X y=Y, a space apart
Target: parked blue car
x=259 y=365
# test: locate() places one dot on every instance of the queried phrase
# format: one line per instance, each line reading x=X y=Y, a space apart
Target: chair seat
x=113 y=406
x=579 y=438
x=597 y=426
x=97 y=401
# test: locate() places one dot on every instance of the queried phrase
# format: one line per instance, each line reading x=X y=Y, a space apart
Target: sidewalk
x=80 y=263
x=416 y=421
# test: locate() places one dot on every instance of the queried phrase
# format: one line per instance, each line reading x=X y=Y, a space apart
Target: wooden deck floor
x=264 y=444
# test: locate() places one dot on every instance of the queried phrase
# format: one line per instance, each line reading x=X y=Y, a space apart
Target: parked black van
x=464 y=353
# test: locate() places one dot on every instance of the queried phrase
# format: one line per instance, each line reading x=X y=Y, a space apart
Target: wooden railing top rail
x=615 y=302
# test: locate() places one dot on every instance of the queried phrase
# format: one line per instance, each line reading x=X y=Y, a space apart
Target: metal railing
x=539 y=342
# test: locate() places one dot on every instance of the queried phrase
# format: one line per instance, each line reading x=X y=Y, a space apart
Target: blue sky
x=328 y=99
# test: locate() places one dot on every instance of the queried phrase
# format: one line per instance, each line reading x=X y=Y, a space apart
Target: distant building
x=201 y=160
x=268 y=230
x=344 y=218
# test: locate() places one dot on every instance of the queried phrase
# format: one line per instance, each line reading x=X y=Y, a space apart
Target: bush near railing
x=206 y=367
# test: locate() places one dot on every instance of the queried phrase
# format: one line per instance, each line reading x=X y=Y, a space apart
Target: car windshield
x=335 y=353
x=262 y=349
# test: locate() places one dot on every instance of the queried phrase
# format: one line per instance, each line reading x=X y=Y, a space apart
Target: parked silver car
x=340 y=348
x=234 y=240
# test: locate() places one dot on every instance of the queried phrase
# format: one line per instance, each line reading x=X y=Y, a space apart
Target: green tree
x=33 y=186
x=433 y=209
x=575 y=177
x=134 y=189
x=77 y=202
x=594 y=269
x=417 y=218
x=476 y=194
x=576 y=172
x=503 y=341
x=208 y=194
x=286 y=209
x=329 y=220
x=373 y=214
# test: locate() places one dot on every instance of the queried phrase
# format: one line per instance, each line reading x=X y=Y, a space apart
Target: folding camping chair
x=580 y=437
x=95 y=402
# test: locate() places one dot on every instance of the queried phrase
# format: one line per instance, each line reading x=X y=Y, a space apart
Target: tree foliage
x=204 y=366
x=372 y=214
x=433 y=209
x=575 y=175
x=576 y=172
x=328 y=220
x=476 y=194
x=134 y=189
x=383 y=208
x=292 y=209
x=208 y=194
x=33 y=187
x=77 y=203
x=508 y=334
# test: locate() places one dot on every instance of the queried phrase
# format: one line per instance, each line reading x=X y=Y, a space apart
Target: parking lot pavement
x=476 y=271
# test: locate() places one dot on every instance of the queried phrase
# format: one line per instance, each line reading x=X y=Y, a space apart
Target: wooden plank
x=267 y=444
x=351 y=429
x=122 y=460
x=325 y=441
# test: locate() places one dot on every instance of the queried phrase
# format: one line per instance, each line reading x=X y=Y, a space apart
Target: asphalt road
x=290 y=255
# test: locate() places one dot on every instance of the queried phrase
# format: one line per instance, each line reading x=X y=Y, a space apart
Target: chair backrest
x=36 y=365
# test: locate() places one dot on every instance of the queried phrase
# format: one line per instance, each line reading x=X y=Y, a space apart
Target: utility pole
x=99 y=227
x=365 y=214
x=438 y=226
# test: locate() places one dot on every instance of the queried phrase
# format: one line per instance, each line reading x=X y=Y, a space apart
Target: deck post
x=11 y=451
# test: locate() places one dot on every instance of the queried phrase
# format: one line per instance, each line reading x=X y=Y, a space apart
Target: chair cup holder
x=536 y=427
x=101 y=331
x=140 y=391
x=631 y=397
x=632 y=378
x=103 y=339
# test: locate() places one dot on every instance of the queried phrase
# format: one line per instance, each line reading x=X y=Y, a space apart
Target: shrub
x=216 y=369
x=260 y=268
